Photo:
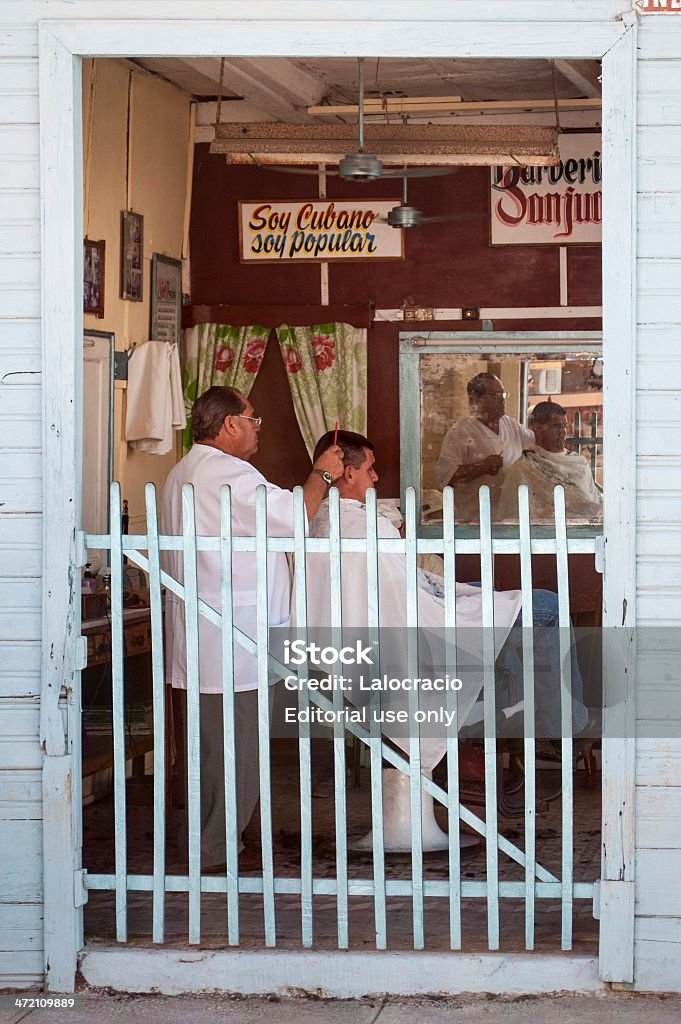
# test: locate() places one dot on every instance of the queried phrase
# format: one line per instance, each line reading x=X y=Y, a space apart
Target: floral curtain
x=326 y=366
x=223 y=355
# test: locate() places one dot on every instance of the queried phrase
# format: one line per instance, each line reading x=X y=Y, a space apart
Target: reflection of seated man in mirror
x=546 y=464
x=479 y=449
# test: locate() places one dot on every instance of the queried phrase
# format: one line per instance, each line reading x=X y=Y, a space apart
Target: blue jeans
x=547 y=676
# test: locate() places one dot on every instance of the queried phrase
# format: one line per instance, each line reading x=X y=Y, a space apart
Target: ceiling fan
x=406 y=216
x=361 y=166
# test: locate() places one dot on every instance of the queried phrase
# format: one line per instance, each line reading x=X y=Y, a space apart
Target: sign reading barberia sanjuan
x=333 y=229
x=658 y=6
x=560 y=205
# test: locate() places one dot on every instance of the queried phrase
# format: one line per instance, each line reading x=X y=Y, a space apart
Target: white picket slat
x=376 y=758
x=489 y=699
x=338 y=731
x=453 y=810
x=228 y=717
x=159 y=713
x=414 y=730
x=304 y=750
x=262 y=639
x=193 y=742
x=528 y=712
x=118 y=714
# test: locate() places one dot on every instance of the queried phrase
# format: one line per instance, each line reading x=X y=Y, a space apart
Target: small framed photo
x=132 y=255
x=93 y=277
x=166 y=298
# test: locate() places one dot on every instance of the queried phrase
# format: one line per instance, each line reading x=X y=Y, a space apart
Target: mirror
x=98 y=348
x=477 y=407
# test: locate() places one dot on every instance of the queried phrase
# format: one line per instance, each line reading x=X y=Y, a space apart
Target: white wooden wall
x=21 y=912
x=658 y=934
x=657 y=951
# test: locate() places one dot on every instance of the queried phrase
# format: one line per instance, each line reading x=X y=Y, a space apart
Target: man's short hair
x=477 y=386
x=211 y=408
x=543 y=412
x=353 y=446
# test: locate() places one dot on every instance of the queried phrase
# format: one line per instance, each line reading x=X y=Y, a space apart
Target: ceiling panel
x=336 y=78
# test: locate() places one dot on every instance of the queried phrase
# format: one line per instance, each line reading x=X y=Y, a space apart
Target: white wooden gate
x=539 y=883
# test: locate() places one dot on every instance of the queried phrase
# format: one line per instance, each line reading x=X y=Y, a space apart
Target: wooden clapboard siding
x=658 y=762
x=657 y=950
x=21 y=909
x=20 y=669
x=19 y=739
x=21 y=885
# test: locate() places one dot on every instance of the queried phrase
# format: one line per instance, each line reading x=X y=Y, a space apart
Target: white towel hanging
x=154 y=402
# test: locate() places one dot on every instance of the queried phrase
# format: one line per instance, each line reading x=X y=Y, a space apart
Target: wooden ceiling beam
x=583 y=74
x=449 y=104
x=274 y=85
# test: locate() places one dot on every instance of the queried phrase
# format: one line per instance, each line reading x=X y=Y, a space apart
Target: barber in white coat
x=225 y=432
x=480 y=448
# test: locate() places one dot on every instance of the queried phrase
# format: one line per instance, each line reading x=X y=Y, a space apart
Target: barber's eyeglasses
x=496 y=394
x=257 y=420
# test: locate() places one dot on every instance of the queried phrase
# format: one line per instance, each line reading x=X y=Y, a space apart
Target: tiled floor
x=98 y=857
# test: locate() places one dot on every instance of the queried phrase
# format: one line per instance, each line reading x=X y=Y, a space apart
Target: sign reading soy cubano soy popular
x=325 y=229
x=561 y=205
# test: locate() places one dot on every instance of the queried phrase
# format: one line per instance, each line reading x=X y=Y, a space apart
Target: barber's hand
x=492 y=464
x=331 y=461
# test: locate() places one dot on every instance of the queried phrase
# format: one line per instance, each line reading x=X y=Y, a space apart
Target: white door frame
x=431 y=28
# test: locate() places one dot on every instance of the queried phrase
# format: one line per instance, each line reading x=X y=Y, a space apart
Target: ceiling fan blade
x=406 y=217
x=287 y=169
x=441 y=218
x=417 y=172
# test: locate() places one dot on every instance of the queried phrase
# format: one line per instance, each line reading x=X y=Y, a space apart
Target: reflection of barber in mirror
x=479 y=449
x=549 y=463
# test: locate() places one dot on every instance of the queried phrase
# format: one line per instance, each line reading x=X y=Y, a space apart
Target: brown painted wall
x=445 y=265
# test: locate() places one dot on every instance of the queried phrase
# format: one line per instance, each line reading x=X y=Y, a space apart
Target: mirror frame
x=415 y=344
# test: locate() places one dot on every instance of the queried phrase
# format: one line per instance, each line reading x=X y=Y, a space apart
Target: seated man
x=544 y=465
x=359 y=474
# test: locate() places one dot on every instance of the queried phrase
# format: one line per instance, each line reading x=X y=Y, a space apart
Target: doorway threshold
x=337 y=974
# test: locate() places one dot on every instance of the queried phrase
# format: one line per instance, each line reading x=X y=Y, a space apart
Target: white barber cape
x=542 y=470
x=393 y=613
x=208 y=469
x=470 y=441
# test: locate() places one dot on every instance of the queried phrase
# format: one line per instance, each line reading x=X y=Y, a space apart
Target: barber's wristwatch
x=326 y=477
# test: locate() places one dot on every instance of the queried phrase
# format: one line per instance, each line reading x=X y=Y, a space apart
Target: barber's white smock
x=393 y=605
x=470 y=441
x=208 y=469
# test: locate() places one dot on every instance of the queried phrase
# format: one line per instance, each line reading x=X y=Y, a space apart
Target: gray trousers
x=213 y=824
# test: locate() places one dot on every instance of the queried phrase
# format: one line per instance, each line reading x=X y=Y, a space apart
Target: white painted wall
x=152 y=182
x=658 y=946
x=658 y=763
x=21 y=929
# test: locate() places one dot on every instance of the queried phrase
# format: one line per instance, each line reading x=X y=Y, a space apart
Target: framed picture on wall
x=93 y=277
x=166 y=298
x=132 y=255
